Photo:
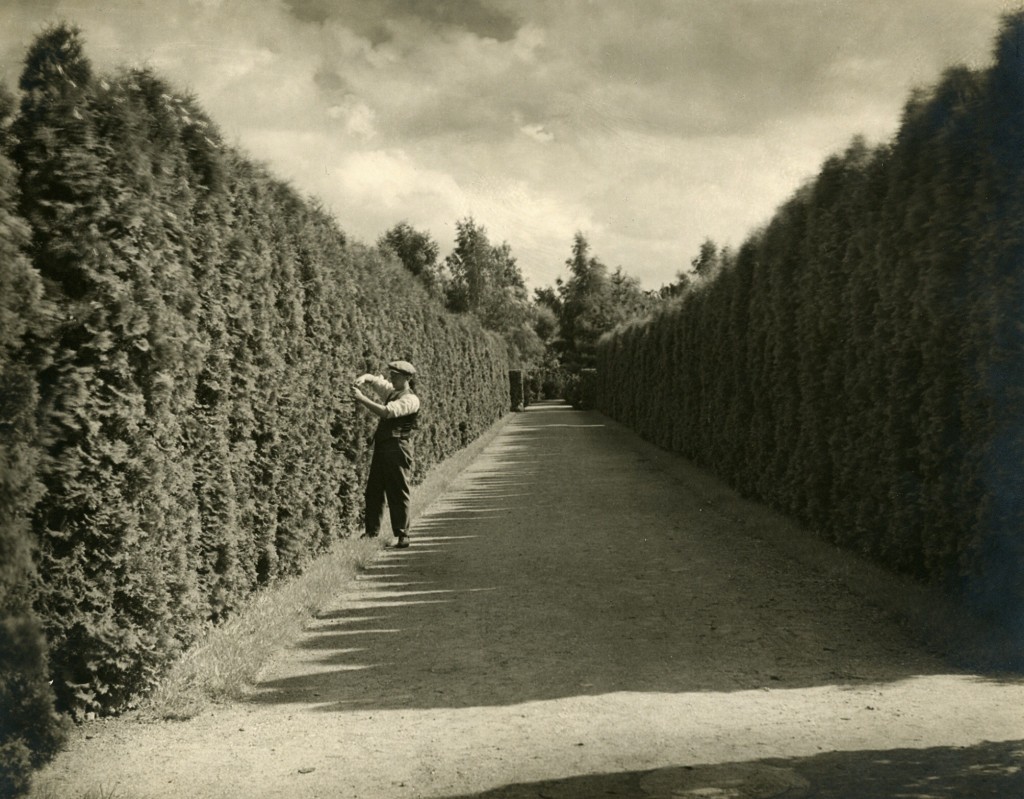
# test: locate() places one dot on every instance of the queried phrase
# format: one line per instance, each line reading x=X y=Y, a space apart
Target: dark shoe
x=401 y=543
x=368 y=535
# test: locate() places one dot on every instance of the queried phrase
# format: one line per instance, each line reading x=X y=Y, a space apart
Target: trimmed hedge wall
x=859 y=363
x=517 y=390
x=30 y=730
x=190 y=435
x=581 y=389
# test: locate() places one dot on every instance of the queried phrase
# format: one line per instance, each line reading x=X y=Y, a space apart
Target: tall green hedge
x=30 y=730
x=859 y=363
x=196 y=435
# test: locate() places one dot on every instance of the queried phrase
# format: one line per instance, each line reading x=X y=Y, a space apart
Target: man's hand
x=374 y=407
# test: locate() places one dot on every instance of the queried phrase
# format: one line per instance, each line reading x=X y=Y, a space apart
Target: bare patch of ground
x=583 y=615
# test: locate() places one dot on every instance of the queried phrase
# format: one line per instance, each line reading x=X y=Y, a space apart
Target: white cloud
x=535 y=220
x=538 y=132
x=357 y=118
x=391 y=179
x=661 y=123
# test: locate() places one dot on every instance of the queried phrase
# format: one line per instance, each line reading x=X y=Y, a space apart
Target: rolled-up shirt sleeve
x=403 y=406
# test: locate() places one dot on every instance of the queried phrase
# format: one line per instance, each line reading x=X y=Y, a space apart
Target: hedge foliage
x=190 y=434
x=547 y=382
x=859 y=363
x=517 y=390
x=30 y=729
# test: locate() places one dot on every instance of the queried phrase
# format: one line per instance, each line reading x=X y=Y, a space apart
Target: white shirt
x=402 y=406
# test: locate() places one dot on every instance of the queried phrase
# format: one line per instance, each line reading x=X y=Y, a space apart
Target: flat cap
x=402 y=367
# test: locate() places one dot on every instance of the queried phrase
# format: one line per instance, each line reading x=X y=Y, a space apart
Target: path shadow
x=986 y=770
x=537 y=577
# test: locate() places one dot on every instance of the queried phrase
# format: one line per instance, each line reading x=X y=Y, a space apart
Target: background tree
x=629 y=300
x=550 y=298
x=592 y=302
x=584 y=301
x=683 y=283
x=707 y=262
x=417 y=251
x=470 y=268
x=486 y=281
x=545 y=323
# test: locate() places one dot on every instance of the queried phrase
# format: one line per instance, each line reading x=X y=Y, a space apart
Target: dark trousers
x=390 y=472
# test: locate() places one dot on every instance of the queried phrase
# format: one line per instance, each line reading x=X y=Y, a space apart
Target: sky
x=648 y=125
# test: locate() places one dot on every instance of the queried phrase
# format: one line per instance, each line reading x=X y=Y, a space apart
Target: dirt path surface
x=582 y=615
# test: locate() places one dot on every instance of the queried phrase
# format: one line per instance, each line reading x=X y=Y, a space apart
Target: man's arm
x=382 y=386
x=402 y=406
x=373 y=407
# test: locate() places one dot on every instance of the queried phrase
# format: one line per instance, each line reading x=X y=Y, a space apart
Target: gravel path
x=583 y=615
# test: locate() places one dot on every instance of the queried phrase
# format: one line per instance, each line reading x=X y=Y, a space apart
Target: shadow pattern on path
x=988 y=770
x=563 y=563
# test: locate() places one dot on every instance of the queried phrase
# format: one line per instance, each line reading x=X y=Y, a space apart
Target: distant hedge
x=181 y=431
x=547 y=383
x=859 y=363
x=516 y=386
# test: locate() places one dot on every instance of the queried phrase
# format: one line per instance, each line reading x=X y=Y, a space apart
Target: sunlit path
x=574 y=620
